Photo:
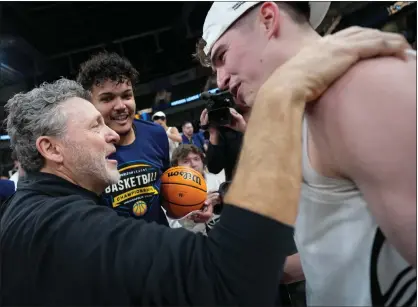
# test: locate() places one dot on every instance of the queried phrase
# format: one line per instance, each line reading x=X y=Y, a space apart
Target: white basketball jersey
x=345 y=257
x=171 y=144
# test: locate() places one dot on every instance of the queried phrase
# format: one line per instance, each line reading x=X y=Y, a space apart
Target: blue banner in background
x=398 y=6
x=173 y=104
x=190 y=99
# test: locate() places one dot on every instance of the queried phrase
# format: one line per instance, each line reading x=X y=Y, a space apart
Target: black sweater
x=59 y=247
x=225 y=154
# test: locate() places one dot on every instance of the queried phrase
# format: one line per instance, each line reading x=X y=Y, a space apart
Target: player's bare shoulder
x=371 y=75
x=368 y=85
x=377 y=89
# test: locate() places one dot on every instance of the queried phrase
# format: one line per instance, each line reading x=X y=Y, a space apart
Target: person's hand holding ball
x=206 y=212
x=184 y=190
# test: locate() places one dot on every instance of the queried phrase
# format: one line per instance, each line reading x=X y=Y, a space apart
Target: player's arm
x=154 y=265
x=372 y=134
x=174 y=135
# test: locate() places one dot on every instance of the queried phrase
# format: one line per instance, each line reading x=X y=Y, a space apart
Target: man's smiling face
x=116 y=102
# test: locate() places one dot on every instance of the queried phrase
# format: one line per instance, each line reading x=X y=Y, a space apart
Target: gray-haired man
x=71 y=251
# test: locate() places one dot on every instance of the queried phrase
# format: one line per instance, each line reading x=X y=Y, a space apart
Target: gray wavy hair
x=38 y=113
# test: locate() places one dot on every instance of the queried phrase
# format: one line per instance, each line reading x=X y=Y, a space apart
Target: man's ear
x=268 y=18
x=50 y=148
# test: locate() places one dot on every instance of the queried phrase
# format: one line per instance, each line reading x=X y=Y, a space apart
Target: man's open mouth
x=109 y=159
x=120 y=118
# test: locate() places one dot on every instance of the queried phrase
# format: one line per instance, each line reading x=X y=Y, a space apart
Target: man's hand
x=238 y=122
x=207 y=211
x=204 y=118
x=174 y=135
x=213 y=132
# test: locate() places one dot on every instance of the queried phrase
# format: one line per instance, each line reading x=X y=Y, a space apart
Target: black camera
x=218 y=105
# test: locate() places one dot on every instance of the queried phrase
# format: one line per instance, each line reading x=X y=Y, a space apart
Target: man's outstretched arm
x=134 y=262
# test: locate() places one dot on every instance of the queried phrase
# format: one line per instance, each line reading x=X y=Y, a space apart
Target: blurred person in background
x=142 y=151
x=17 y=171
x=224 y=143
x=161 y=101
x=144 y=114
x=174 y=137
x=189 y=137
x=7 y=189
x=191 y=156
x=3 y=173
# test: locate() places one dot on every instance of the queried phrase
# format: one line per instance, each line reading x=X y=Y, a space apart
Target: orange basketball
x=184 y=190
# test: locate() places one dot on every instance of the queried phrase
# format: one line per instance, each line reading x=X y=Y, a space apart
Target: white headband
x=223 y=14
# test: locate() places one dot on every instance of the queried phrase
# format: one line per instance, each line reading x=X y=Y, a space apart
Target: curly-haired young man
x=142 y=152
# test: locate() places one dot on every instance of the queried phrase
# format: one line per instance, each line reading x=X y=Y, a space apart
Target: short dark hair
x=299 y=11
x=186 y=122
x=183 y=150
x=106 y=66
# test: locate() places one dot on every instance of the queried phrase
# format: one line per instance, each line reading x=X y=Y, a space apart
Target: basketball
x=139 y=208
x=184 y=190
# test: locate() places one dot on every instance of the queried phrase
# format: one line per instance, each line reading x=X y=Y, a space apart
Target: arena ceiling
x=41 y=41
x=50 y=39
x=45 y=40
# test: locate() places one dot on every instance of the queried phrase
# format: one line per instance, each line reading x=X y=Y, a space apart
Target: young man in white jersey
x=17 y=170
x=356 y=228
x=174 y=137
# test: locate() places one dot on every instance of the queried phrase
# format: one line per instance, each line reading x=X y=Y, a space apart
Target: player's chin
x=122 y=128
x=243 y=108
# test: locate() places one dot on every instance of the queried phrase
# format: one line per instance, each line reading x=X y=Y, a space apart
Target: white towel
x=411 y=52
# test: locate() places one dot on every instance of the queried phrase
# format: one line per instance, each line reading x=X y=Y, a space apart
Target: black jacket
x=59 y=247
x=225 y=154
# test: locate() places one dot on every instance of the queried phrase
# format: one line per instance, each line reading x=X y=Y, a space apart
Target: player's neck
x=300 y=38
x=305 y=38
x=127 y=139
